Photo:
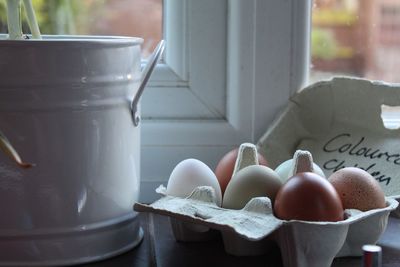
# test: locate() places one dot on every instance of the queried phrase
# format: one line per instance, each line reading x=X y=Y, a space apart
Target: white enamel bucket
x=66 y=106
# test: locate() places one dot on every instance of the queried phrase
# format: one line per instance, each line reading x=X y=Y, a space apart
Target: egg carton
x=251 y=230
x=340 y=122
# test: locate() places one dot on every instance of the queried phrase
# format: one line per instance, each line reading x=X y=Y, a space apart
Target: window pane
x=356 y=38
x=142 y=18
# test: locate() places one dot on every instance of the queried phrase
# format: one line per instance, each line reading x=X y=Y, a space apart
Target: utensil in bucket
x=65 y=105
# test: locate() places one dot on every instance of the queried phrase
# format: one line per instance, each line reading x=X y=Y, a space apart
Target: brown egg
x=226 y=165
x=309 y=197
x=358 y=189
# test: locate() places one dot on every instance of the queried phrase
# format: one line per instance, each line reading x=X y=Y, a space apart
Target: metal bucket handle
x=148 y=70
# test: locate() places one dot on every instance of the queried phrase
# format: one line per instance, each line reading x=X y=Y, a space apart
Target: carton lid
x=339 y=122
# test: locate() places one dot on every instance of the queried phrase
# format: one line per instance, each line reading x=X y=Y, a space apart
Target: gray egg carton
x=251 y=230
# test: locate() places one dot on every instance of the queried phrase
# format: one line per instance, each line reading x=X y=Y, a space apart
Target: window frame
x=258 y=82
x=191 y=82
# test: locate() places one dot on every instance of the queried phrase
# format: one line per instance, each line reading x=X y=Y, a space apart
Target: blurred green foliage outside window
x=141 y=18
x=58 y=16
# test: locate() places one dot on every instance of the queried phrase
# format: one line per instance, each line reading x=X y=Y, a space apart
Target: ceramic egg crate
x=329 y=120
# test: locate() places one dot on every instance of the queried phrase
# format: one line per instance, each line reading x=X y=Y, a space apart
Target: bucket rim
x=72 y=39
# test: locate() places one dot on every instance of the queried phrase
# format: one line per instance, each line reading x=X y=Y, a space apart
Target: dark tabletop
x=159 y=248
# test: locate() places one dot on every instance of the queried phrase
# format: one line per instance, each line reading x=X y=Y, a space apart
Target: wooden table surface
x=159 y=248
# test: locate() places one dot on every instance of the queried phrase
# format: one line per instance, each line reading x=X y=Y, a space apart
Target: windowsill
x=159 y=248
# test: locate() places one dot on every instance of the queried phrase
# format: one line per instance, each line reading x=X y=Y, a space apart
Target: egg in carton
x=341 y=123
x=252 y=229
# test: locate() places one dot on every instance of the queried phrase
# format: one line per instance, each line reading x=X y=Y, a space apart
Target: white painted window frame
x=266 y=61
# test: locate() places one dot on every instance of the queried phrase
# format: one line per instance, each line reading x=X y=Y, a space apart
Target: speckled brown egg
x=357 y=189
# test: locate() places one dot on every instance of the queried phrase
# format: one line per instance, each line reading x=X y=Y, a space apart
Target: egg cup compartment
x=366 y=228
x=311 y=244
x=240 y=246
x=191 y=232
x=251 y=230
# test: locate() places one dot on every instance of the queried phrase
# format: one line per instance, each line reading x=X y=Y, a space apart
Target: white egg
x=286 y=170
x=189 y=174
x=249 y=182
